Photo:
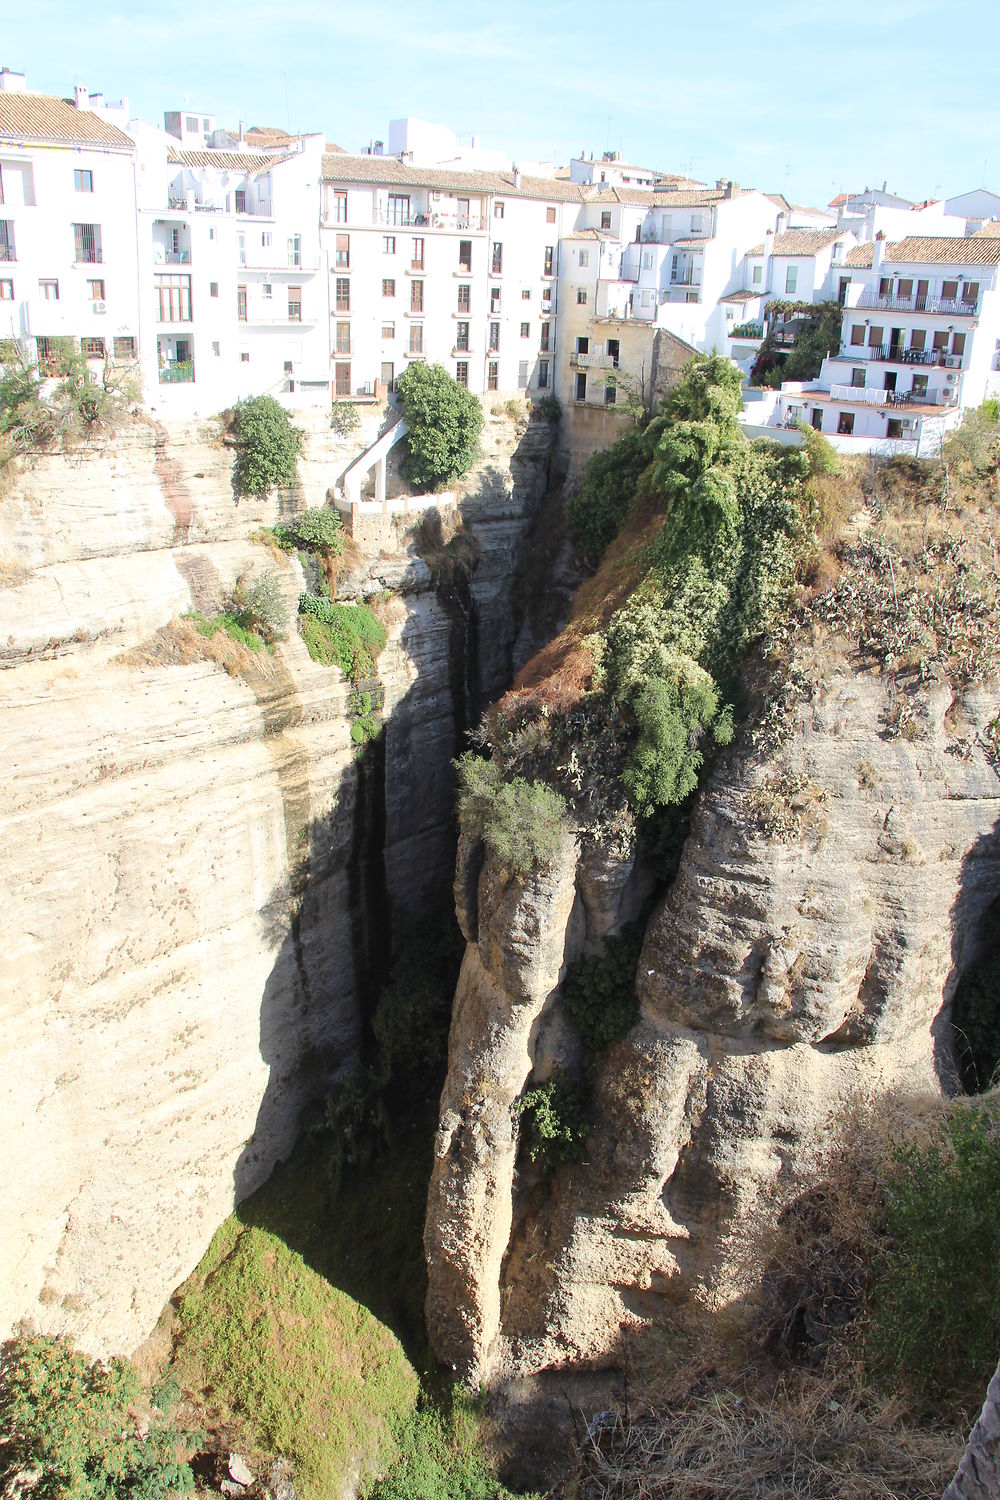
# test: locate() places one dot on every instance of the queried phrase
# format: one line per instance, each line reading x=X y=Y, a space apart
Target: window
x=526 y=330
x=894 y=428
x=6 y=290
x=87 y=243
x=858 y=376
x=241 y=246
x=543 y=375
x=580 y=388
x=493 y=375
x=582 y=344
x=342 y=380
x=606 y=218
x=791 y=278
x=462 y=338
x=919 y=386
x=494 y=337
x=6 y=240
x=613 y=348
x=268 y=290
x=241 y=303
x=549 y=252
x=970 y=292
x=462 y=373
x=958 y=343
x=465 y=255
x=211 y=232
x=875 y=336
x=173 y=295
x=388 y=244
x=845 y=423
x=416 y=296
x=295 y=250
x=544 y=340
x=265 y=239
x=584 y=257
x=416 y=338
x=756 y=275
x=213 y=289
x=388 y=375
x=92 y=348
x=464 y=296
x=462 y=212
x=216 y=348
x=610 y=393
x=498 y=210
x=343 y=335
x=295 y=304
x=941 y=341
x=388 y=287
x=949 y=291
x=342 y=255
x=83 y=181
x=206 y=125
x=48 y=291
x=340 y=208
x=124 y=347
x=857 y=334
x=191 y=123
x=388 y=330
x=581 y=297
x=417 y=254
x=399 y=208
x=342 y=294
x=550 y=216
x=241 y=200
x=522 y=374
x=494 y=299
x=647 y=260
x=497 y=260
x=918 y=338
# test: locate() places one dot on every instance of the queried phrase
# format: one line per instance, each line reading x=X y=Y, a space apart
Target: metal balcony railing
x=949 y=306
x=181 y=373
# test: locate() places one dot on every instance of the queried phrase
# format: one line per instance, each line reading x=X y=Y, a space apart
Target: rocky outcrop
x=199 y=875
x=828 y=896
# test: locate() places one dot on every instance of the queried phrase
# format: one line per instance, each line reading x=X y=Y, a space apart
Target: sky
x=789 y=96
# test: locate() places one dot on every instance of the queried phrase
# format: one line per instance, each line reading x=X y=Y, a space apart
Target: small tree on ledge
x=444 y=422
x=267 y=446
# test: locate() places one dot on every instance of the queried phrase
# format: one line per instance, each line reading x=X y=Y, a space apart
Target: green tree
x=444 y=421
x=267 y=446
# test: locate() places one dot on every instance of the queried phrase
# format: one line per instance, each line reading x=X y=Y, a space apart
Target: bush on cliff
x=599 y=995
x=72 y=1427
x=316 y=530
x=523 y=823
x=345 y=635
x=267 y=446
x=444 y=422
x=607 y=487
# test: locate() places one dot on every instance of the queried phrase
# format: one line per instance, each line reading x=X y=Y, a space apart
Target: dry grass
x=809 y=1438
x=12 y=573
x=388 y=609
x=179 y=644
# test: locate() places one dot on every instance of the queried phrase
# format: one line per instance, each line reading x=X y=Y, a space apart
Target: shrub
x=346 y=635
x=522 y=822
x=267 y=446
x=344 y=418
x=440 y=1458
x=316 y=530
x=257 y=606
x=554 y=1116
x=444 y=421
x=72 y=1424
x=549 y=408
x=413 y=1012
x=607 y=487
x=599 y=993
x=932 y=1323
x=673 y=715
x=210 y=625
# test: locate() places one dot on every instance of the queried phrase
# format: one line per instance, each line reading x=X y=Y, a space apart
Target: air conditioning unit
x=100 y=307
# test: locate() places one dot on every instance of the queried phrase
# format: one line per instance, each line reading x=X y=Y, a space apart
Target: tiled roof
x=779 y=200
x=744 y=295
x=389 y=171
x=946 y=250
x=38 y=117
x=225 y=161
x=860 y=257
x=698 y=243
x=988 y=231
x=591 y=234
x=802 y=241
x=268 y=135
x=700 y=197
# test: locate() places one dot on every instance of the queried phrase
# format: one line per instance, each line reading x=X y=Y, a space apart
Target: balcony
x=7 y=242
x=869 y=396
x=180 y=373
x=684 y=278
x=947 y=307
x=894 y=354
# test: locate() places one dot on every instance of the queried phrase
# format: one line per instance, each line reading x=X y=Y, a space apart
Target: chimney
x=878 y=249
x=81 y=97
x=732 y=188
x=11 y=82
x=517 y=177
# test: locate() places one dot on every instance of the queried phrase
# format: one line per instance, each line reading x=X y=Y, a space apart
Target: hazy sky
x=801 y=98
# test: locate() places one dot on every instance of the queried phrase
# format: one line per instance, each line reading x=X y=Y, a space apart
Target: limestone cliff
x=196 y=873
x=829 y=892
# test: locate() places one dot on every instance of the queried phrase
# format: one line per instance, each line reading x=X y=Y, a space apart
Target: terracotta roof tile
x=860 y=257
x=743 y=295
x=804 y=241
x=946 y=250
x=988 y=231
x=697 y=243
x=592 y=234
x=38 y=117
x=389 y=170
x=224 y=160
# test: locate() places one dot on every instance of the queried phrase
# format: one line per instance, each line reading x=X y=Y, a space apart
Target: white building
x=919 y=343
x=976 y=207
x=69 y=266
x=455 y=268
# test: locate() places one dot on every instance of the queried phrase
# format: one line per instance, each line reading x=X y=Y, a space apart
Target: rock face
x=829 y=894
x=198 y=876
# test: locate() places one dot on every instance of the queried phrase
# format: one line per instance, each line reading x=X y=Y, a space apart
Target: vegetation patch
x=70 y=1426
x=348 y=636
x=267 y=446
x=443 y=420
x=310 y=1374
x=523 y=823
x=975 y=1014
x=554 y=1123
x=599 y=993
x=316 y=530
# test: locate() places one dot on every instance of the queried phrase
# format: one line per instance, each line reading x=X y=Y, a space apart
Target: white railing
x=866 y=394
